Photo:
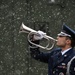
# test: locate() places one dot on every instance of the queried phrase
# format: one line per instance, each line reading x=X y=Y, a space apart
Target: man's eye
x=60 y=36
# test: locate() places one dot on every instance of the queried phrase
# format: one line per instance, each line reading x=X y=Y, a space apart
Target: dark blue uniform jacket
x=57 y=63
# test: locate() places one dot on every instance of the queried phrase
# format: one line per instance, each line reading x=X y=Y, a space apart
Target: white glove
x=39 y=35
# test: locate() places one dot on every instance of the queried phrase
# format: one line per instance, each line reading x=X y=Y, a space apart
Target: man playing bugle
x=57 y=58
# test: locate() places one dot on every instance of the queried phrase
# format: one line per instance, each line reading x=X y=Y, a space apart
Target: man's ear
x=68 y=41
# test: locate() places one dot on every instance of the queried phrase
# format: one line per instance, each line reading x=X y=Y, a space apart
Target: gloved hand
x=39 y=35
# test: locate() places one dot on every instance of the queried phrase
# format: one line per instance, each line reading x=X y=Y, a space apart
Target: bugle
x=30 y=31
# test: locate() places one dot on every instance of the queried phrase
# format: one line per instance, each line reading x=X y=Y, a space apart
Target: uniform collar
x=63 y=52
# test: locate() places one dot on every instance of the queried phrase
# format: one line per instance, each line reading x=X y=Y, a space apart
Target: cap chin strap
x=64 y=34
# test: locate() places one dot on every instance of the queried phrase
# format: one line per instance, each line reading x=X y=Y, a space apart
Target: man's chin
x=58 y=45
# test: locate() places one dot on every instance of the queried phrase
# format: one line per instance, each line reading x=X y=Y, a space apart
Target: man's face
x=62 y=41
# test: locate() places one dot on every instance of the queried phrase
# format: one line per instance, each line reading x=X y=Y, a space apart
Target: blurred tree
x=49 y=17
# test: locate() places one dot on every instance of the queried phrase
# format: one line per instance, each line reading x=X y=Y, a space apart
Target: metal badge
x=65 y=55
x=63 y=64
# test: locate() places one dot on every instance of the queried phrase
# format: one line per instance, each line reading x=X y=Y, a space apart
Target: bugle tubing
x=28 y=30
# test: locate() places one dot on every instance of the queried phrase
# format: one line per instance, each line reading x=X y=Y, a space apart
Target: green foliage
x=14 y=52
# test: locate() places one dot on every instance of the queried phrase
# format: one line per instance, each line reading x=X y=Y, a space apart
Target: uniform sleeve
x=71 y=67
x=38 y=55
